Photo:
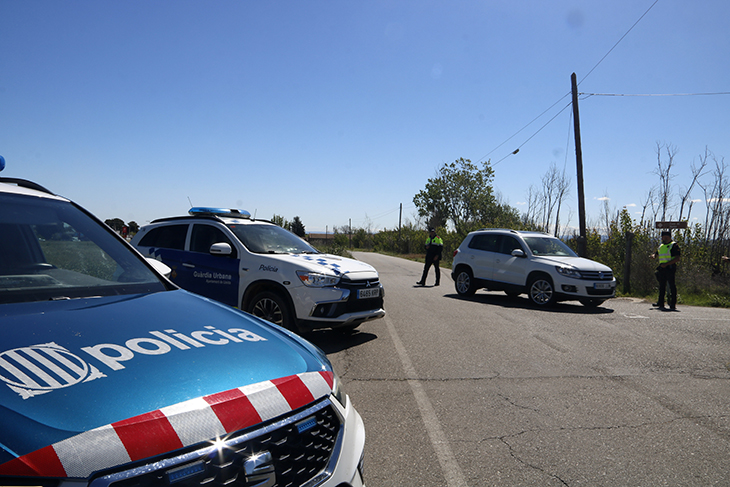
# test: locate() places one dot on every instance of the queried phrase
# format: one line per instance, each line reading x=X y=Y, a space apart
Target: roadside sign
x=671 y=225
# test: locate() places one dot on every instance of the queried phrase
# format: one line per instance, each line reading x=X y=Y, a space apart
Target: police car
x=111 y=375
x=263 y=269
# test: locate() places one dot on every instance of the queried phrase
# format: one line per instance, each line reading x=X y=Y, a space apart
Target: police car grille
x=300 y=451
x=597 y=276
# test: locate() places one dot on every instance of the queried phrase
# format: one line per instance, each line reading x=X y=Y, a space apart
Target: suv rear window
x=166 y=237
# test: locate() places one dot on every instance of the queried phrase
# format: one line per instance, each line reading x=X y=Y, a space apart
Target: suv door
x=212 y=276
x=507 y=267
x=482 y=253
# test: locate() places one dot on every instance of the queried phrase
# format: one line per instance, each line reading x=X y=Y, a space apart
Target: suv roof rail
x=500 y=229
x=24 y=183
x=230 y=212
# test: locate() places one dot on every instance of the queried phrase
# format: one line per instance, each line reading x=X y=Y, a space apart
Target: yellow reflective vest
x=665 y=253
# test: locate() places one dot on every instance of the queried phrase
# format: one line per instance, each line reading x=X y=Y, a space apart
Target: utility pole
x=400 y=217
x=583 y=238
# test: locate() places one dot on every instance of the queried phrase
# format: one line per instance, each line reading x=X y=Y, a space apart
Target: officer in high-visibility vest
x=668 y=255
x=434 y=249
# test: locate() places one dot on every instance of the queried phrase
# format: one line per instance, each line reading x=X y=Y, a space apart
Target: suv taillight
x=455 y=252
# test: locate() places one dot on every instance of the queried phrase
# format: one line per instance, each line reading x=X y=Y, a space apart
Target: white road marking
x=449 y=466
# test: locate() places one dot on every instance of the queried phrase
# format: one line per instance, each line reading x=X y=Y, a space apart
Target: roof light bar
x=231 y=212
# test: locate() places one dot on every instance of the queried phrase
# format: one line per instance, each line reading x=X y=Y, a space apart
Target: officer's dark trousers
x=427 y=266
x=665 y=275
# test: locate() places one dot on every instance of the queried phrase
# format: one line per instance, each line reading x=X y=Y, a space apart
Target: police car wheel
x=464 y=282
x=273 y=308
x=541 y=291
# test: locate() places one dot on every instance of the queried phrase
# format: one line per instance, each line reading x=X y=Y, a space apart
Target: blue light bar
x=231 y=212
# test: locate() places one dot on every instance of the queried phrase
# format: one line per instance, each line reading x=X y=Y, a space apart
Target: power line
x=537 y=132
x=567 y=94
x=618 y=42
x=523 y=128
x=657 y=94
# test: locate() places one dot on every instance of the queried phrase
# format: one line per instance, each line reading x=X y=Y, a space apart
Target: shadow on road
x=333 y=341
x=499 y=299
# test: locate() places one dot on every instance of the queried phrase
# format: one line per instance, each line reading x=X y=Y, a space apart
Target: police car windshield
x=51 y=250
x=549 y=247
x=270 y=239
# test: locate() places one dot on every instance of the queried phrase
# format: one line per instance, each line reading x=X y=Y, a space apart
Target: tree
x=115 y=224
x=133 y=227
x=281 y=221
x=298 y=227
x=460 y=193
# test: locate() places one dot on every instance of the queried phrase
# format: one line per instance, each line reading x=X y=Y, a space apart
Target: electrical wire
x=618 y=42
x=568 y=94
x=537 y=132
x=657 y=94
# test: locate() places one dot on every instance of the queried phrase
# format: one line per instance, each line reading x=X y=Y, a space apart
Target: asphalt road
x=492 y=391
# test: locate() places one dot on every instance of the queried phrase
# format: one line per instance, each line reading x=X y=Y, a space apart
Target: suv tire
x=541 y=290
x=464 y=282
x=273 y=308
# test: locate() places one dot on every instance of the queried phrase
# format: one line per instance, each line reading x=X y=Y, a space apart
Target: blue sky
x=341 y=110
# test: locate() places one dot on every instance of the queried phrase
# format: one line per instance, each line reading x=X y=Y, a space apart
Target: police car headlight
x=315 y=279
x=338 y=392
x=568 y=272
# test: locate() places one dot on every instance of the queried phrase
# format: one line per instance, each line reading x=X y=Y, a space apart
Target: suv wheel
x=464 y=282
x=271 y=307
x=541 y=290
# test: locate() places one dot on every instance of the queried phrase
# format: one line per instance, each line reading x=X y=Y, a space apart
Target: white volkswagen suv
x=534 y=263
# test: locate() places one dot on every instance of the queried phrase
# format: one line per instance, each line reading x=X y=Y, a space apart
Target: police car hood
x=81 y=376
x=330 y=264
x=576 y=262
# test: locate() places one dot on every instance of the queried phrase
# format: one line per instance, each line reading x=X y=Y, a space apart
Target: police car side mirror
x=518 y=253
x=160 y=267
x=221 y=248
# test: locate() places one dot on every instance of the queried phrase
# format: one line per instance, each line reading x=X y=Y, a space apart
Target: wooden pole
x=582 y=239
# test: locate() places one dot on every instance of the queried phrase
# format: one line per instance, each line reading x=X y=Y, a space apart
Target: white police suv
x=534 y=263
x=113 y=376
x=226 y=255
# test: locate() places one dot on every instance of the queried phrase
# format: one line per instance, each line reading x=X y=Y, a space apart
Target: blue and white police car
x=263 y=269
x=112 y=376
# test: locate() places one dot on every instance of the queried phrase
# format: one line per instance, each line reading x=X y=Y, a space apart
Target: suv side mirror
x=221 y=248
x=518 y=253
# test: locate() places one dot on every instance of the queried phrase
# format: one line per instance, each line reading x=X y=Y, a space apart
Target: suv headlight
x=316 y=279
x=568 y=272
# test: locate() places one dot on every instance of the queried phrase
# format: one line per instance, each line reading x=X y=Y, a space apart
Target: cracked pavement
x=619 y=395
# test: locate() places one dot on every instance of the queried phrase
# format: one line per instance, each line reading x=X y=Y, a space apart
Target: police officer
x=668 y=254
x=434 y=248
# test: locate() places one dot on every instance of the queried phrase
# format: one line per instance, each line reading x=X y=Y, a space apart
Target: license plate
x=602 y=285
x=373 y=292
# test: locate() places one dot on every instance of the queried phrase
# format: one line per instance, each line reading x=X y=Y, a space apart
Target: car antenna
x=254 y=213
x=191 y=203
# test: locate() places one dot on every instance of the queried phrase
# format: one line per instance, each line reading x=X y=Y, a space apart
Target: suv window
x=203 y=236
x=50 y=249
x=166 y=237
x=488 y=242
x=508 y=244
